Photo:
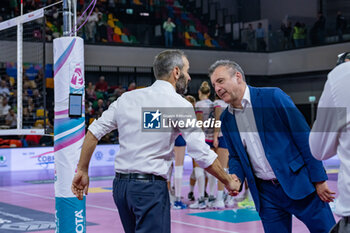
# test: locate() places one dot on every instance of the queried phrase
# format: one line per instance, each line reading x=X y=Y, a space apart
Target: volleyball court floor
x=27 y=204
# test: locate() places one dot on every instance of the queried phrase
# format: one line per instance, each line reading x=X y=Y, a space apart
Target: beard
x=181 y=85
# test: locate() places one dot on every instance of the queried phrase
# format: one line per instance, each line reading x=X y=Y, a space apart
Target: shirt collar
x=245 y=101
x=163 y=85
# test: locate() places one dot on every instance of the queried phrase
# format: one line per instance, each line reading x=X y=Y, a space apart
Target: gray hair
x=229 y=64
x=166 y=61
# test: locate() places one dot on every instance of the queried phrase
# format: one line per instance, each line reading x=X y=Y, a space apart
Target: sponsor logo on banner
x=45 y=159
x=111 y=156
x=152 y=120
x=3 y=160
x=76 y=78
x=23 y=159
x=98 y=155
x=111 y=152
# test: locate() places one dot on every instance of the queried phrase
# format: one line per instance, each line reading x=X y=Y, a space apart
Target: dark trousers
x=343 y=226
x=276 y=210
x=143 y=205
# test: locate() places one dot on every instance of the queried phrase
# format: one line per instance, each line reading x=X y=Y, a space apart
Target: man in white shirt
x=330 y=135
x=267 y=139
x=140 y=189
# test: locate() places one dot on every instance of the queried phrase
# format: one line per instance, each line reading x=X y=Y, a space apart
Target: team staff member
x=330 y=135
x=267 y=138
x=139 y=188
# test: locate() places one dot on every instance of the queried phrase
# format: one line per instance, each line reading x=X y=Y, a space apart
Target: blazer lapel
x=237 y=141
x=256 y=99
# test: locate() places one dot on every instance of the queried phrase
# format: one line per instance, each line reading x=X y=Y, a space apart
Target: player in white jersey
x=221 y=150
x=204 y=111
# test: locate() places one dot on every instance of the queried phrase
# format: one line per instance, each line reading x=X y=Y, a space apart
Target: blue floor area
x=232 y=216
x=20 y=219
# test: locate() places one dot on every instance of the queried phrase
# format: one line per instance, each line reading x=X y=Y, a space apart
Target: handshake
x=231 y=182
x=233 y=185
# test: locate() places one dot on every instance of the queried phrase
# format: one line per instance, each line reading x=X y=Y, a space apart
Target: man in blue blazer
x=267 y=138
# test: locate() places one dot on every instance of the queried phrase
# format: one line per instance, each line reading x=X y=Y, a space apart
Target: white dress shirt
x=250 y=138
x=330 y=134
x=149 y=152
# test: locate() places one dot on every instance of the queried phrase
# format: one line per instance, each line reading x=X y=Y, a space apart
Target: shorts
x=210 y=144
x=180 y=141
x=222 y=143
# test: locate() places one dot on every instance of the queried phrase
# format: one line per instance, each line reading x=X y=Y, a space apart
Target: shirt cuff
x=94 y=129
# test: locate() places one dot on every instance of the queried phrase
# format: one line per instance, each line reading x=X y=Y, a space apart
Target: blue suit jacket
x=284 y=134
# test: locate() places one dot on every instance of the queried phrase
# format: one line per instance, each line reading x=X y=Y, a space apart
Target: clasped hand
x=234 y=185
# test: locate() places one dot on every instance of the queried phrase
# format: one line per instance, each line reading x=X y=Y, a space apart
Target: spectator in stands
x=90 y=92
x=13 y=8
x=12 y=101
x=298 y=32
x=4 y=107
x=38 y=99
x=80 y=20
x=27 y=90
x=303 y=34
x=101 y=85
x=46 y=141
x=48 y=34
x=28 y=118
x=39 y=79
x=91 y=26
x=132 y=86
x=287 y=33
x=318 y=30
x=260 y=38
x=111 y=4
x=101 y=32
x=30 y=104
x=100 y=107
x=340 y=25
x=33 y=140
x=217 y=32
x=250 y=36
x=11 y=119
x=4 y=90
x=168 y=27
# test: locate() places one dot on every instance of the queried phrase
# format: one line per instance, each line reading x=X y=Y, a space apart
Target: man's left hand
x=324 y=192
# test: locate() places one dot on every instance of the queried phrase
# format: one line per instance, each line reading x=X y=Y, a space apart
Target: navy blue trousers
x=276 y=210
x=143 y=205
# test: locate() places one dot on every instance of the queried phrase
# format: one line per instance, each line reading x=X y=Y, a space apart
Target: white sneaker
x=199 y=204
x=230 y=202
x=210 y=201
x=240 y=197
x=219 y=204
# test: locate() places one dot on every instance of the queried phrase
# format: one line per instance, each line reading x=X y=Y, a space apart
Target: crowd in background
x=105 y=25
x=32 y=105
x=98 y=97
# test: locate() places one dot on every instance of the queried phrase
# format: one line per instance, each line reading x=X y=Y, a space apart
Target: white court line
x=209 y=228
x=52 y=198
x=27 y=194
x=115 y=210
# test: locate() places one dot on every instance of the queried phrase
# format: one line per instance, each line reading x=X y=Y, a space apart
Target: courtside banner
x=69 y=131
